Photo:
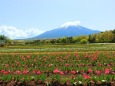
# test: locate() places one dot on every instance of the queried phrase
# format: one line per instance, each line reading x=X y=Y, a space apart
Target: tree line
x=102 y=37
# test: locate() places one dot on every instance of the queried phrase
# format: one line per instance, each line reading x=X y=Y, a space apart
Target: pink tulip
x=56 y=71
x=38 y=72
x=18 y=72
x=61 y=72
x=7 y=65
x=107 y=71
x=67 y=64
x=17 y=63
x=98 y=72
x=90 y=70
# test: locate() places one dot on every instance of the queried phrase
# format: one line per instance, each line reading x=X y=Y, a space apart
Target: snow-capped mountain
x=67 y=31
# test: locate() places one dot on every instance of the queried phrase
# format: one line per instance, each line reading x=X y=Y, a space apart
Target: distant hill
x=66 y=31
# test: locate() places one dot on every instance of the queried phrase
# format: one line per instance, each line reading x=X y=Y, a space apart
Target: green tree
x=63 y=40
x=114 y=36
x=83 y=41
x=113 y=31
x=79 y=38
x=2 y=37
x=69 y=39
x=92 y=38
x=53 y=41
x=3 y=40
x=105 y=37
x=74 y=39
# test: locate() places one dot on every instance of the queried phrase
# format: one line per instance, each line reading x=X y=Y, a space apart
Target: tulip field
x=71 y=65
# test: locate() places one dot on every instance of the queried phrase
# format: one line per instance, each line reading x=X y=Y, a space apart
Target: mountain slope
x=66 y=31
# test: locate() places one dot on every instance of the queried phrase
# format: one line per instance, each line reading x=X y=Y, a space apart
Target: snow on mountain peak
x=67 y=24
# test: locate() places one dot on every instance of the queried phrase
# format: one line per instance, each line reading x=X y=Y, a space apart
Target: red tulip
x=25 y=71
x=5 y=72
x=73 y=72
x=72 y=77
x=85 y=76
x=35 y=71
x=2 y=71
x=28 y=56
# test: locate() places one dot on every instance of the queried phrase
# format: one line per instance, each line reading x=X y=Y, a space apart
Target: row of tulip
x=67 y=48
x=77 y=68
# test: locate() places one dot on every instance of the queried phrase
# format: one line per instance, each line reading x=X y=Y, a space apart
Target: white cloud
x=14 y=33
x=33 y=32
x=75 y=23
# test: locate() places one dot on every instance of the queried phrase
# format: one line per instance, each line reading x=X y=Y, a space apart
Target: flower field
x=58 y=48
x=96 y=68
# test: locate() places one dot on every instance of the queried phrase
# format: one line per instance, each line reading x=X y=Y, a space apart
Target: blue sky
x=27 y=18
